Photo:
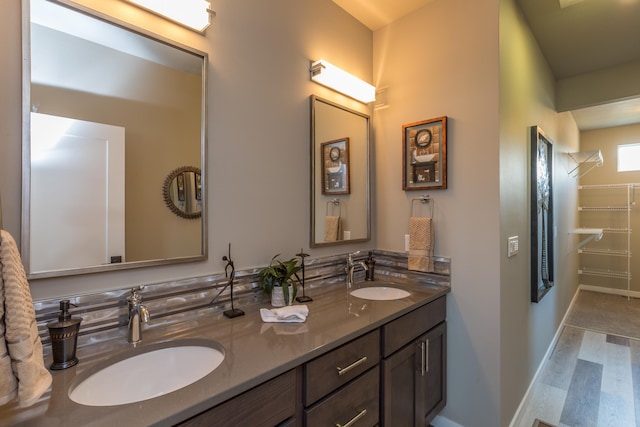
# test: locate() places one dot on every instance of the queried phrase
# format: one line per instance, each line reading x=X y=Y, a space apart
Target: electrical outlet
x=406 y=243
x=512 y=245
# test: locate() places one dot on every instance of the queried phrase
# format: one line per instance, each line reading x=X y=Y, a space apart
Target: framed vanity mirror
x=108 y=113
x=340 y=203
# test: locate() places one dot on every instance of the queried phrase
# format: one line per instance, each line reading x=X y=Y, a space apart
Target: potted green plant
x=280 y=280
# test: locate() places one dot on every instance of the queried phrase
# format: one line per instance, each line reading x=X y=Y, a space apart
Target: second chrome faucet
x=138 y=314
x=351 y=267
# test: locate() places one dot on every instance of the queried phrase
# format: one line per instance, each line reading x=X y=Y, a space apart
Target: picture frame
x=424 y=154
x=335 y=167
x=542 y=226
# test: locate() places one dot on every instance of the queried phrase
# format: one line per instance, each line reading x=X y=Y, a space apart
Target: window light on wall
x=628 y=157
x=193 y=14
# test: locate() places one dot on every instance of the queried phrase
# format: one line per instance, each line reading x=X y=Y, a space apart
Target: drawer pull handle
x=424 y=357
x=353 y=420
x=426 y=352
x=342 y=371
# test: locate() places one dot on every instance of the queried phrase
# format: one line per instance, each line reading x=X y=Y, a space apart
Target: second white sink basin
x=155 y=372
x=380 y=293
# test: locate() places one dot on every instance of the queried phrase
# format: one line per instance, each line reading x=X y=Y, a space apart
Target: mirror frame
x=26 y=145
x=313 y=243
x=166 y=192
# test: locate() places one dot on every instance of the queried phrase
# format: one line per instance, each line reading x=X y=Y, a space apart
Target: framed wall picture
x=542 y=248
x=335 y=167
x=424 y=155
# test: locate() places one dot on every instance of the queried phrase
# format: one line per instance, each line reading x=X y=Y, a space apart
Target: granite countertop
x=255 y=352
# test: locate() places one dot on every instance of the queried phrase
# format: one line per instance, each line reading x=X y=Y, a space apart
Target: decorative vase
x=277 y=297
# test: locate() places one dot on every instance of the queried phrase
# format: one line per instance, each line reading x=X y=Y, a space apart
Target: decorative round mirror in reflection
x=182 y=192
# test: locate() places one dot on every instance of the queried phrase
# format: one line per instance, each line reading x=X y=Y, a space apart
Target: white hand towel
x=289 y=314
x=21 y=331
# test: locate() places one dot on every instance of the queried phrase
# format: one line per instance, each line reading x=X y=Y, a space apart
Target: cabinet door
x=431 y=391
x=399 y=387
x=414 y=384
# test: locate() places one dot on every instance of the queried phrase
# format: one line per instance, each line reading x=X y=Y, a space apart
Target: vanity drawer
x=336 y=368
x=357 y=403
x=270 y=404
x=398 y=333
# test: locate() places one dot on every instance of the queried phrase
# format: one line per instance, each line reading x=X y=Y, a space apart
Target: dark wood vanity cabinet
x=267 y=405
x=393 y=376
x=342 y=386
x=413 y=381
x=414 y=366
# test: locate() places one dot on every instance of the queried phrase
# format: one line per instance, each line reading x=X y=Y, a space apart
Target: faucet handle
x=135 y=298
x=351 y=255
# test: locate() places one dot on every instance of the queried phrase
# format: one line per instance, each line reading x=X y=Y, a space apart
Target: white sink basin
x=380 y=293
x=155 y=371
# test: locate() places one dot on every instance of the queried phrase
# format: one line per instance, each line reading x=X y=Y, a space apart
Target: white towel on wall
x=20 y=346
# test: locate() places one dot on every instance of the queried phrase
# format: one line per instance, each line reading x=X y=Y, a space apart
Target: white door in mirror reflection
x=77 y=193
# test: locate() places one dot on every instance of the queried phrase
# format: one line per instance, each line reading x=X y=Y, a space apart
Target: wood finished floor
x=592 y=378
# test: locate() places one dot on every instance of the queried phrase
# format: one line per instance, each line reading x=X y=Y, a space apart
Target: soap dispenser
x=371 y=265
x=64 y=337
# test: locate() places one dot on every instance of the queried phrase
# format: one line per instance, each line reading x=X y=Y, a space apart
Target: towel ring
x=424 y=200
x=331 y=204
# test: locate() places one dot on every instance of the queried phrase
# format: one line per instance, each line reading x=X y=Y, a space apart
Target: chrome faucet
x=138 y=314
x=351 y=266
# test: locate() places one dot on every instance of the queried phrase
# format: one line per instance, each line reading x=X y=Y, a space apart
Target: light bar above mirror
x=329 y=75
x=193 y=14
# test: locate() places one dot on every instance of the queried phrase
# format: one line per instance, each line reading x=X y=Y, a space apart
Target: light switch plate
x=512 y=246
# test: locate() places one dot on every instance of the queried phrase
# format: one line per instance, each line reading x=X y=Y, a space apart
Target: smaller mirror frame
x=166 y=191
x=320 y=198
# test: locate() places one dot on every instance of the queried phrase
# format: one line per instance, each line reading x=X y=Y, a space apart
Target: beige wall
x=443 y=61
x=526 y=99
x=473 y=61
x=258 y=99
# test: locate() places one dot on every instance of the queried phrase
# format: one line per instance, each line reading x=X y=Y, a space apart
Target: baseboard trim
x=440 y=421
x=518 y=414
x=623 y=292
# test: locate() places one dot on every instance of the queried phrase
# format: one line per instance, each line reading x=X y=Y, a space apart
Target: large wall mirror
x=108 y=113
x=340 y=206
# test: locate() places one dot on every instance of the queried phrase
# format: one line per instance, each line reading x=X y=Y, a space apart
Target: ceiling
x=575 y=36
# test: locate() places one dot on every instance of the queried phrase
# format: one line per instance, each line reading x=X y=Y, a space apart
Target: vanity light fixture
x=193 y=14
x=339 y=80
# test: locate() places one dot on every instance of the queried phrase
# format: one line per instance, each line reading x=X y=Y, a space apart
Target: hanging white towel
x=22 y=371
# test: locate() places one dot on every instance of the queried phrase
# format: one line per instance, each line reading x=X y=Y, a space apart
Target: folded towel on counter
x=289 y=314
x=421 y=242
x=25 y=377
x=284 y=328
x=331 y=228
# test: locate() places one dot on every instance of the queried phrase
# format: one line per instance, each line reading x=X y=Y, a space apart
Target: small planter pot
x=277 y=296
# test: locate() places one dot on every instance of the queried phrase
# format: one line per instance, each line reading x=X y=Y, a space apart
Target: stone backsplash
x=108 y=310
